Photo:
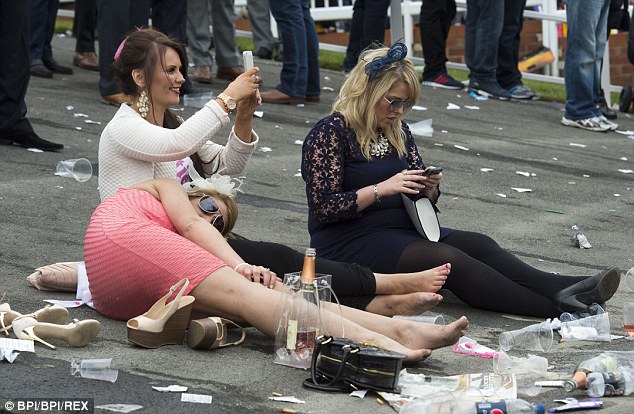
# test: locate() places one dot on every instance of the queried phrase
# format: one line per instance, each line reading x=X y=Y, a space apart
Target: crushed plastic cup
x=427 y=317
x=197 y=100
x=536 y=337
x=628 y=280
x=507 y=364
x=591 y=328
x=99 y=369
x=594 y=309
x=79 y=168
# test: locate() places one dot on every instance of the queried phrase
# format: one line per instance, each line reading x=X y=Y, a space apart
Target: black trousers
x=85 y=24
x=115 y=18
x=354 y=285
x=435 y=20
x=14 y=68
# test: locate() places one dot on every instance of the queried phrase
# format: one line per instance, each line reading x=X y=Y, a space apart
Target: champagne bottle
x=308 y=271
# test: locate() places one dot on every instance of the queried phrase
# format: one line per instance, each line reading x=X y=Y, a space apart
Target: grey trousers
x=223 y=19
x=260 y=19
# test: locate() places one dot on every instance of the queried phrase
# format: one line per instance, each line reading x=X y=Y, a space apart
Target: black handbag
x=342 y=365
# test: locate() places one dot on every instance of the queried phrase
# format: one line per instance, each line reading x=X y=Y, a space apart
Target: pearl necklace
x=379 y=148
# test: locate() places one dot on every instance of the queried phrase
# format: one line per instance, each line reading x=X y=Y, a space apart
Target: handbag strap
x=314 y=383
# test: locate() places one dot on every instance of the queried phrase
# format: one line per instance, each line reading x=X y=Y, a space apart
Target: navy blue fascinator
x=397 y=52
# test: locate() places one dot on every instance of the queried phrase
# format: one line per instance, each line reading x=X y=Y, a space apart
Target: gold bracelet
x=377 y=199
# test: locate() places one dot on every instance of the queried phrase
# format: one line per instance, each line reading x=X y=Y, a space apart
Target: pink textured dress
x=134 y=254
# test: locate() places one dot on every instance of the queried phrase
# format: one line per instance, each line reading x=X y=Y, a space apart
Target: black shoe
x=55 y=67
x=595 y=289
x=263 y=53
x=31 y=140
x=41 y=71
x=490 y=89
x=605 y=109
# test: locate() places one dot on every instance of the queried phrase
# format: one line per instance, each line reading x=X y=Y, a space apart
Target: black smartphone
x=432 y=171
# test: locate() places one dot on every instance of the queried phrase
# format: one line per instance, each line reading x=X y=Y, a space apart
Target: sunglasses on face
x=398 y=103
x=210 y=206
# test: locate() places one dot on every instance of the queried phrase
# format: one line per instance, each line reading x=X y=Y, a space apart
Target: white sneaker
x=605 y=121
x=589 y=124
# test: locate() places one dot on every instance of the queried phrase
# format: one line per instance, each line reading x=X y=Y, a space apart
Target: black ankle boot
x=595 y=289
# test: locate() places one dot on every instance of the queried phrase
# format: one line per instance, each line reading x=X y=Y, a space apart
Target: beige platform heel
x=165 y=323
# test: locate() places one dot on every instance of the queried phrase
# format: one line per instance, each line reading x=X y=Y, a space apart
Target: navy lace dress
x=334 y=168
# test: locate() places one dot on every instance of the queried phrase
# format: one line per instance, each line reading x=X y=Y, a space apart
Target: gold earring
x=142 y=104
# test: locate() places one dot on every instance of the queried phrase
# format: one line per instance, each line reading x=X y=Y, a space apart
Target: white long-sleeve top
x=132 y=150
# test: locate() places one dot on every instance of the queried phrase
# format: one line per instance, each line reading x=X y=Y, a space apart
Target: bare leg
x=430 y=280
x=406 y=304
x=225 y=293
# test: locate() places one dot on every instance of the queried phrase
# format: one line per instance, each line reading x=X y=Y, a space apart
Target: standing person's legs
x=51 y=16
x=223 y=19
x=581 y=71
x=508 y=75
x=115 y=18
x=374 y=21
x=38 y=17
x=260 y=20
x=14 y=68
x=313 y=88
x=198 y=35
x=355 y=37
x=170 y=17
x=85 y=23
x=482 y=32
x=435 y=20
x=294 y=75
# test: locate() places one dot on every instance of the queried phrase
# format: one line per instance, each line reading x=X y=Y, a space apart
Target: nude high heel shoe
x=51 y=313
x=77 y=333
x=165 y=323
x=6 y=317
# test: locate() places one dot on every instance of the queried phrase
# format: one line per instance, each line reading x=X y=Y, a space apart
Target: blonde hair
x=360 y=95
x=232 y=208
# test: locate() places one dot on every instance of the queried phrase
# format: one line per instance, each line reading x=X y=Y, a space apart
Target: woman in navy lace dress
x=356 y=163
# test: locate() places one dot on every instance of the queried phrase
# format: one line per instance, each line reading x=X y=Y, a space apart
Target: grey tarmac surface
x=43 y=219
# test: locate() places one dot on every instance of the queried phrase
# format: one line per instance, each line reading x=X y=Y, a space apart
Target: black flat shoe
x=31 y=140
x=595 y=289
x=41 y=71
x=55 y=67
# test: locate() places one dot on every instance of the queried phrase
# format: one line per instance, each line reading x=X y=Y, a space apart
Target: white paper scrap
x=80 y=115
x=475 y=108
x=327 y=88
x=423 y=128
x=451 y=106
x=265 y=149
x=258 y=114
x=524 y=173
x=628 y=132
x=34 y=150
x=90 y=121
x=521 y=190
x=65 y=303
x=288 y=399
x=359 y=393
x=17 y=344
x=419 y=108
x=71 y=107
x=501 y=195
x=573 y=144
x=171 y=388
x=120 y=408
x=196 y=398
x=9 y=354
x=486 y=169
x=626 y=171
x=460 y=147
x=623 y=158
x=298 y=142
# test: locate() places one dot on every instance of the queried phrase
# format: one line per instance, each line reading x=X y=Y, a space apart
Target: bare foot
x=430 y=280
x=408 y=304
x=411 y=355
x=432 y=336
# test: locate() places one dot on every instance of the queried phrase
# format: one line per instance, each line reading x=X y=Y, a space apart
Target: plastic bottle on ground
x=449 y=403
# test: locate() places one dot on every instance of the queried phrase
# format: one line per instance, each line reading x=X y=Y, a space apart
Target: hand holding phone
x=247 y=58
x=432 y=171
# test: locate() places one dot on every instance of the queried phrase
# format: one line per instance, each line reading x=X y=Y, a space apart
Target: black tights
x=354 y=285
x=486 y=276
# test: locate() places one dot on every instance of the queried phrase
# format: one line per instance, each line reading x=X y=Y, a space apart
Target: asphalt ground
x=573 y=174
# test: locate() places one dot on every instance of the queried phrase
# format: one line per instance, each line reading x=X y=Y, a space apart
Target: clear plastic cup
x=197 y=100
x=591 y=328
x=427 y=317
x=504 y=363
x=99 y=369
x=537 y=337
x=79 y=168
x=628 y=280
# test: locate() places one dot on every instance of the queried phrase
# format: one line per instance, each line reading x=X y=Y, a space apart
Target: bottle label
x=496 y=407
x=291 y=334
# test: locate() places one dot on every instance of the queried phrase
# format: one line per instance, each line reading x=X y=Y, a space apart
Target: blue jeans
x=42 y=15
x=507 y=73
x=483 y=27
x=368 y=25
x=587 y=26
x=300 y=69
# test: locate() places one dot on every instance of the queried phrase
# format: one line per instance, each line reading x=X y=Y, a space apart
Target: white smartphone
x=247 y=58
